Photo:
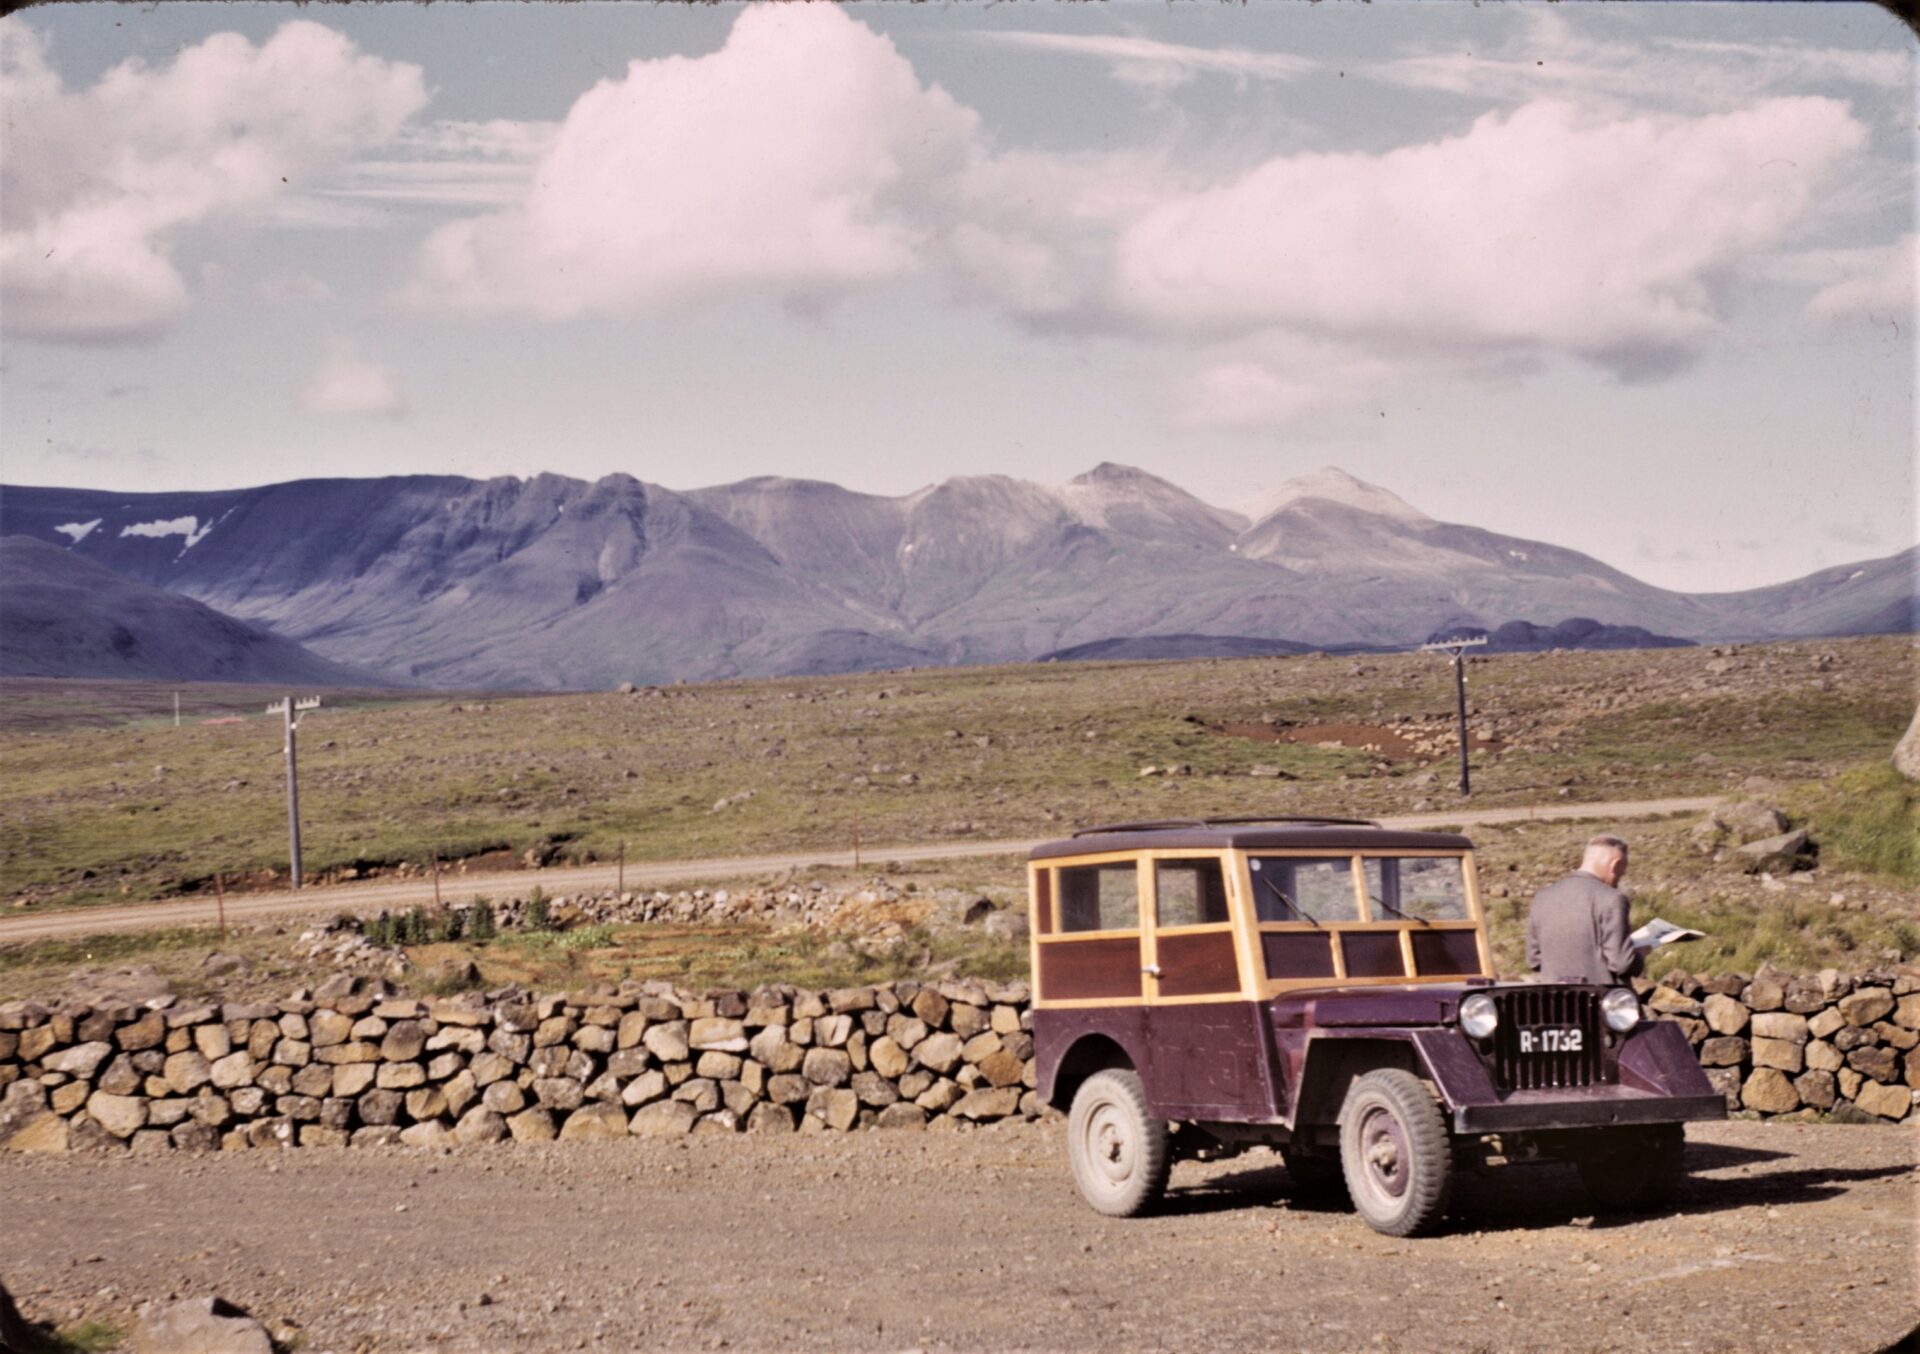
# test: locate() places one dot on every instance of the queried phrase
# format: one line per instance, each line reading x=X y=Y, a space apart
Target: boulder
x=1724 y=1014
x=939 y=1052
x=1816 y=1089
x=1906 y=753
x=44 y=1132
x=663 y=1119
x=405 y=1041
x=827 y=1067
x=988 y=1103
x=901 y=1115
x=1869 y=1004
x=480 y=1124
x=532 y=1125
x=717 y=1034
x=1777 y=855
x=81 y=1061
x=1723 y=1051
x=1769 y=1092
x=767 y=1118
x=1782 y=1054
x=120 y=1115
x=1781 y=1025
x=187 y=1072
x=837 y=1108
x=598 y=1120
x=1888 y=1102
x=200 y=1326
x=431 y=1134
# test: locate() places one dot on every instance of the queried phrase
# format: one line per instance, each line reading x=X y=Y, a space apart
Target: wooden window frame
x=1475 y=921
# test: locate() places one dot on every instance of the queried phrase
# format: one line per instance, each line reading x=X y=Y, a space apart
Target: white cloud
x=92 y=201
x=796 y=162
x=1489 y=238
x=1587 y=227
x=1874 y=284
x=348 y=384
x=1157 y=65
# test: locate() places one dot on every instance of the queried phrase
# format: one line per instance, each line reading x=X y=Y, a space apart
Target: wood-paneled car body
x=1323 y=986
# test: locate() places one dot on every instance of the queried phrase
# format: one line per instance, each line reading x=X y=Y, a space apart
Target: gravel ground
x=1787 y=1237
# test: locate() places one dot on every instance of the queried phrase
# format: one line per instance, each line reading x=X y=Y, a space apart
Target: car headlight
x=1621 y=1009
x=1478 y=1015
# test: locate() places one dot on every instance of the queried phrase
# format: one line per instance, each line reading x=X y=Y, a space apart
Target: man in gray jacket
x=1577 y=928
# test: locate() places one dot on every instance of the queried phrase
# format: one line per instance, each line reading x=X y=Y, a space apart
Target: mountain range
x=551 y=582
x=63 y=616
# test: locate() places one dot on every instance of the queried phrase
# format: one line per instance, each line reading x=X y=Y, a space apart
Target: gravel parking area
x=1787 y=1237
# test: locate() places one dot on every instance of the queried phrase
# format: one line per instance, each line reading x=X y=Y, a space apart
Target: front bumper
x=1586 y=1107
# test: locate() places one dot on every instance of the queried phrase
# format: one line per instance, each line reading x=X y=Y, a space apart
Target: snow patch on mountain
x=172 y=526
x=79 y=531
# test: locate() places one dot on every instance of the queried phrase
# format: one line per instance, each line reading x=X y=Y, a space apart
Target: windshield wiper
x=1408 y=916
x=1289 y=904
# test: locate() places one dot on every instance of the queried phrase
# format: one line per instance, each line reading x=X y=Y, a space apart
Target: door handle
x=1152 y=970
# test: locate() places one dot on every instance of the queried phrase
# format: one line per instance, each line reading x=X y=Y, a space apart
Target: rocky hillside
x=556 y=583
x=65 y=616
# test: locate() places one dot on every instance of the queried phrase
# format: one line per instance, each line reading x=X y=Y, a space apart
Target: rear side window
x=1427 y=888
x=1100 y=897
x=1189 y=892
x=1303 y=889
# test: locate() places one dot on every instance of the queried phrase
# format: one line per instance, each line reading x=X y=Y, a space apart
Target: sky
x=1635 y=279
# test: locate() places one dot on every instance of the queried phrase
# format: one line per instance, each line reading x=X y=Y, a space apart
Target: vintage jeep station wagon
x=1324 y=986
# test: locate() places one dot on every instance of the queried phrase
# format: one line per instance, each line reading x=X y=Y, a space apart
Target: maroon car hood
x=1413 y=1004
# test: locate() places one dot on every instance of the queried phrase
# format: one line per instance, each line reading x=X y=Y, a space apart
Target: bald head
x=1605 y=858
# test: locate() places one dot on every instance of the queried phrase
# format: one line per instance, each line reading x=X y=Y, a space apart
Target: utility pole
x=176 y=709
x=1456 y=649
x=291 y=708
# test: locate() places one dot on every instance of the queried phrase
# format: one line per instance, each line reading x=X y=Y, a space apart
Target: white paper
x=1657 y=933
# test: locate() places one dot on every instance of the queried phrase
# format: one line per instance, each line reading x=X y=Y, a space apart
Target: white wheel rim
x=1110 y=1148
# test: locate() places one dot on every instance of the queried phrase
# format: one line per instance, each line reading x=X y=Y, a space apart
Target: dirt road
x=393 y=895
x=1787 y=1237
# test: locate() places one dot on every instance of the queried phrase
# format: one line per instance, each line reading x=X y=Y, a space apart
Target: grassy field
x=110 y=801
x=97 y=811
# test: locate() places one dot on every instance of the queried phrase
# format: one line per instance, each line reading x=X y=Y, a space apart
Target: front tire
x=1395 y=1153
x=1629 y=1169
x=1118 y=1150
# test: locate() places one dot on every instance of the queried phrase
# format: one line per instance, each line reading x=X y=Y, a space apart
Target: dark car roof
x=1338 y=834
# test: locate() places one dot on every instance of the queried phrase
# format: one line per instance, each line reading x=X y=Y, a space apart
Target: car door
x=1209 y=1047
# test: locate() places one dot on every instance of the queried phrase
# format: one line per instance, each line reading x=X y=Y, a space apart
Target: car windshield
x=1303 y=889
x=1418 y=888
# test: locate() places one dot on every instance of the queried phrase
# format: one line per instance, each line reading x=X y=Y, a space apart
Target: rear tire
x=1118 y=1150
x=1630 y=1169
x=1395 y=1153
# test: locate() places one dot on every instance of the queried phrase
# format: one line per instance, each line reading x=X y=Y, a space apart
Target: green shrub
x=452 y=924
x=380 y=931
x=417 y=927
x=480 y=923
x=1866 y=820
x=538 y=919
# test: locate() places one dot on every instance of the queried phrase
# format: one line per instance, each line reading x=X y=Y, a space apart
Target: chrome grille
x=1535 y=1008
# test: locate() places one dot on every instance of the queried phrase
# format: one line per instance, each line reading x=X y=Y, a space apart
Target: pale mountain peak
x=1331 y=484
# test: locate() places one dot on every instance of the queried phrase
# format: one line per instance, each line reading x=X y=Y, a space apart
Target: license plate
x=1553 y=1039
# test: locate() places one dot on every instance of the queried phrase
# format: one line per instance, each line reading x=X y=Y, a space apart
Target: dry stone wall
x=350 y=1066
x=1827 y=1044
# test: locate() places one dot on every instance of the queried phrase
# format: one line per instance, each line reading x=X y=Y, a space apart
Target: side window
x=1189 y=892
x=1100 y=897
x=1293 y=888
